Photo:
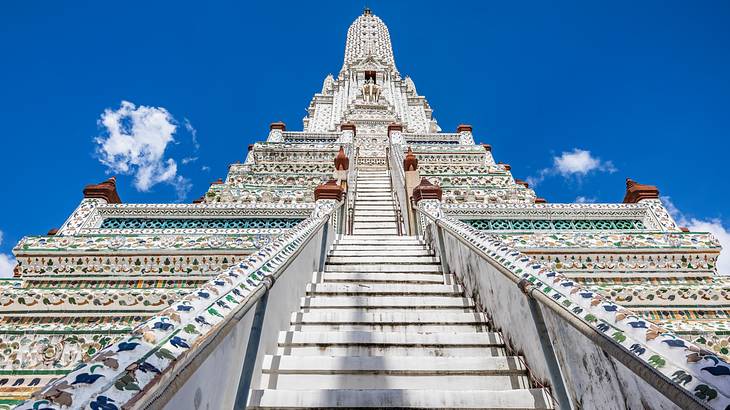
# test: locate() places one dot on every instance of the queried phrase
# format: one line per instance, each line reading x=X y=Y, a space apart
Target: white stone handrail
x=687 y=374
x=146 y=362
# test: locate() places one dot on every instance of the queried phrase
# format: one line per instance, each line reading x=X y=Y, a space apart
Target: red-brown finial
x=426 y=190
x=463 y=128
x=106 y=190
x=521 y=182
x=277 y=126
x=636 y=192
x=329 y=190
x=342 y=163
x=410 y=162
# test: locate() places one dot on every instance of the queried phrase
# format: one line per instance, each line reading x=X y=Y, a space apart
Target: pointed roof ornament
x=106 y=190
x=342 y=163
x=329 y=190
x=426 y=190
x=636 y=192
x=410 y=162
x=367 y=11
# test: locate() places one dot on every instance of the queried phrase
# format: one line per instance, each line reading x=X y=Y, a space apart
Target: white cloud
x=205 y=168
x=584 y=200
x=193 y=132
x=577 y=163
x=714 y=226
x=580 y=162
x=188 y=160
x=135 y=141
x=7 y=262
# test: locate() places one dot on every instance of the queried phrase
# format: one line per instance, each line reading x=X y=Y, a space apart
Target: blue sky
x=574 y=95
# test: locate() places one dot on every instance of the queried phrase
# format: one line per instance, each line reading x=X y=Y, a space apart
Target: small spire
x=367 y=11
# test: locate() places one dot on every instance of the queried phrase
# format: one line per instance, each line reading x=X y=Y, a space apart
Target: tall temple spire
x=368 y=37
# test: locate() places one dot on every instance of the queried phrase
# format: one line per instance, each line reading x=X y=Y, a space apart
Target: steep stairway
x=383 y=327
x=374 y=207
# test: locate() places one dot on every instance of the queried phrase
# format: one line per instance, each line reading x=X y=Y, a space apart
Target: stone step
x=365 y=277
x=388 y=318
x=377 y=258
x=366 y=212
x=367 y=303
x=379 y=247
x=401 y=398
x=373 y=207
x=405 y=252
x=365 y=216
x=368 y=241
x=356 y=224
x=374 y=231
x=376 y=249
x=384 y=204
x=373 y=197
x=435 y=268
x=374 y=201
x=394 y=372
x=374 y=218
x=383 y=289
x=288 y=338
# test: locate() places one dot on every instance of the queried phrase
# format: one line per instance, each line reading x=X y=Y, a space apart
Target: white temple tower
x=368 y=261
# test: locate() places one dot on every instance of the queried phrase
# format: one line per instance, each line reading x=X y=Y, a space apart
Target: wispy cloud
x=7 y=262
x=205 y=168
x=584 y=200
x=188 y=160
x=193 y=133
x=134 y=143
x=576 y=163
x=713 y=225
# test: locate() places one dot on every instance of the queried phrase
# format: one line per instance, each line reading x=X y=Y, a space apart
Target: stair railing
x=397 y=184
x=352 y=192
x=183 y=336
x=591 y=317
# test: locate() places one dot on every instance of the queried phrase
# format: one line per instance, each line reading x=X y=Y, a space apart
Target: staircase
x=384 y=327
x=374 y=207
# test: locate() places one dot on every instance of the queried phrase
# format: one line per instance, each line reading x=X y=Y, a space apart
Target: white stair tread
x=483 y=365
x=387 y=302
x=374 y=225
x=383 y=268
x=352 y=316
x=405 y=252
x=364 y=240
x=375 y=258
x=365 y=277
x=390 y=338
x=384 y=288
x=401 y=398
